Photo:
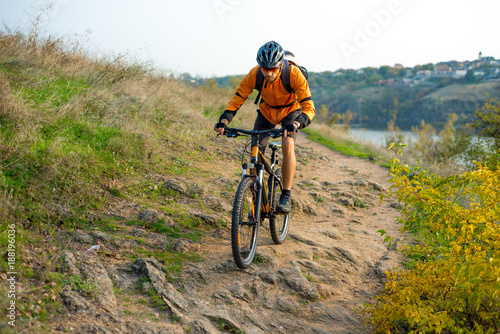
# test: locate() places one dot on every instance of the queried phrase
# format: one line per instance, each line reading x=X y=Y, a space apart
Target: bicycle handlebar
x=234 y=132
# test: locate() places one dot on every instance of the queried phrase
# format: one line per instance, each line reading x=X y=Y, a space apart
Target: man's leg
x=288 y=165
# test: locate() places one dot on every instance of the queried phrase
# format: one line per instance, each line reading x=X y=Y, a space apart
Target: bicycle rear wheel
x=244 y=227
x=278 y=223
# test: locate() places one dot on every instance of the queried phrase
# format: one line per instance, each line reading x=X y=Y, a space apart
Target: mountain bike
x=256 y=199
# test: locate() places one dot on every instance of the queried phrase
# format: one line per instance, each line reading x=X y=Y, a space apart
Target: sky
x=208 y=38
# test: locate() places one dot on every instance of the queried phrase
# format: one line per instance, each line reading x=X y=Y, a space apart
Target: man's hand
x=290 y=129
x=221 y=126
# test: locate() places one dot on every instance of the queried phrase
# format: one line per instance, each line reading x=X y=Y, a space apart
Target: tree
x=385 y=71
x=488 y=121
x=469 y=76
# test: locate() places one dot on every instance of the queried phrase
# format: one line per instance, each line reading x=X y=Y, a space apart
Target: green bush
x=453 y=285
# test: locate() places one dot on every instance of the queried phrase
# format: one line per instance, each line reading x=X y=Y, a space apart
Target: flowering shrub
x=453 y=285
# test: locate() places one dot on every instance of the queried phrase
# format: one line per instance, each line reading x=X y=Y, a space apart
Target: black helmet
x=270 y=55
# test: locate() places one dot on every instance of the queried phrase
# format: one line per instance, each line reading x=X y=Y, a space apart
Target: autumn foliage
x=452 y=284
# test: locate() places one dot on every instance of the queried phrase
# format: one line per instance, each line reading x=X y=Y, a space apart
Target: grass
x=345 y=145
x=78 y=134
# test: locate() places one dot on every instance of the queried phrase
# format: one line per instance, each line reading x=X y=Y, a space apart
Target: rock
x=304 y=254
x=152 y=269
x=198 y=276
x=338 y=315
x=296 y=281
x=91 y=268
x=224 y=267
x=344 y=254
x=224 y=181
x=300 y=238
x=331 y=233
x=259 y=289
x=325 y=290
x=83 y=237
x=337 y=211
x=151 y=215
x=324 y=275
x=176 y=185
x=348 y=202
x=185 y=245
x=310 y=183
x=101 y=235
x=209 y=219
x=222 y=315
x=328 y=184
x=101 y=329
x=386 y=263
x=69 y=264
x=268 y=276
x=238 y=291
x=76 y=303
x=124 y=276
x=195 y=190
x=217 y=204
x=376 y=186
x=149 y=328
x=202 y=326
x=172 y=298
x=266 y=256
x=287 y=304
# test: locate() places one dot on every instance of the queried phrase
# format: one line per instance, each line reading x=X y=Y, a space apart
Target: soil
x=332 y=262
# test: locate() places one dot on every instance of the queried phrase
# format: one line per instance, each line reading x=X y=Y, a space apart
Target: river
x=377 y=137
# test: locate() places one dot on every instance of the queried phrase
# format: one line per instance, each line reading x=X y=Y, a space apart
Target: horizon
x=221 y=37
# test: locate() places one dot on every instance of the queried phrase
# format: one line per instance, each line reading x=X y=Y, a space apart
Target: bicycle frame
x=255 y=168
x=263 y=197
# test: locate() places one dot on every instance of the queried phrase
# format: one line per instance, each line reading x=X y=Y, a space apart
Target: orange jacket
x=274 y=94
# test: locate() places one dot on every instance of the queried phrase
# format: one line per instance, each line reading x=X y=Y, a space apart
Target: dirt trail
x=332 y=262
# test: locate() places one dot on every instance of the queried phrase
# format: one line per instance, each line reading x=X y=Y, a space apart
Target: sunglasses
x=272 y=70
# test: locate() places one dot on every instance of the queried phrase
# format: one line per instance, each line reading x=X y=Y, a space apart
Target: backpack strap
x=285 y=77
x=258 y=84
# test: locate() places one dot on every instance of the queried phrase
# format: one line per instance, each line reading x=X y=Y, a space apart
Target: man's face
x=270 y=74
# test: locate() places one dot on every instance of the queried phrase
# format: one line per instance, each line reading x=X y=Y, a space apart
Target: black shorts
x=262 y=123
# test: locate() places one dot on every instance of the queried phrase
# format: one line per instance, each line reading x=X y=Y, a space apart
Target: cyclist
x=293 y=110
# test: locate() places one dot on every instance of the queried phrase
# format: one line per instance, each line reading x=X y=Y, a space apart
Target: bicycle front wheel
x=278 y=223
x=244 y=228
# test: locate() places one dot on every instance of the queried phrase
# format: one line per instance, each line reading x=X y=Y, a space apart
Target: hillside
x=111 y=154
x=376 y=96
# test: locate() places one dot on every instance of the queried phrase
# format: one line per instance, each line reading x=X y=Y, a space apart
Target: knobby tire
x=278 y=223
x=244 y=227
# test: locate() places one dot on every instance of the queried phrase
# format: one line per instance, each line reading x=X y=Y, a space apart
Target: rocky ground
x=331 y=264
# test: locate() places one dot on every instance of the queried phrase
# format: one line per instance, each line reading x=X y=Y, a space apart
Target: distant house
x=479 y=73
x=422 y=74
x=442 y=71
x=398 y=66
x=459 y=73
x=407 y=82
x=387 y=82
